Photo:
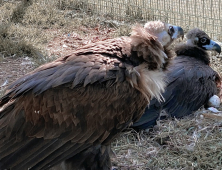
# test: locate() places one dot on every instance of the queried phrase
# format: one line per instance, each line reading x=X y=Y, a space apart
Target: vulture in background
x=64 y=114
x=191 y=82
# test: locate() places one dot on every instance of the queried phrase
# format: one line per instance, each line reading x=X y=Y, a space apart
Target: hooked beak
x=213 y=46
x=178 y=32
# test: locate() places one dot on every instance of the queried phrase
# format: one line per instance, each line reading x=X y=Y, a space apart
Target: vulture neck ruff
x=148 y=78
x=193 y=51
x=149 y=48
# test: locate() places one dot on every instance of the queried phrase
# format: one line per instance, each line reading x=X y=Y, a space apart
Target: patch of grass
x=189 y=143
x=19 y=11
x=134 y=12
x=7 y=9
x=76 y=5
x=12 y=45
x=44 y=15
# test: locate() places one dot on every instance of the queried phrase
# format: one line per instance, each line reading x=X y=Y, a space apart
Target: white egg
x=214 y=101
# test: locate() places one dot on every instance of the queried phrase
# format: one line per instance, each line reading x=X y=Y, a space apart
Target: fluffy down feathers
x=65 y=113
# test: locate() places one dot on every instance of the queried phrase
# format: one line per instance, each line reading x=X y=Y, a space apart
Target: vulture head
x=151 y=43
x=165 y=33
x=199 y=38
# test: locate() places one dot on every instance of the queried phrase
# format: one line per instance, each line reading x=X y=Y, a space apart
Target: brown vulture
x=65 y=114
x=190 y=80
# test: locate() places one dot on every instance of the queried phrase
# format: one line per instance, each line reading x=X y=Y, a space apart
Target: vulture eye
x=171 y=30
x=203 y=40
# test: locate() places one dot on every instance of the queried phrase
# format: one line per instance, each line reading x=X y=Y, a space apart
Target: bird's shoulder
x=195 y=52
x=189 y=68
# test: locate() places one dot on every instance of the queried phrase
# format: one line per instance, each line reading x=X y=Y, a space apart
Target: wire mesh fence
x=204 y=14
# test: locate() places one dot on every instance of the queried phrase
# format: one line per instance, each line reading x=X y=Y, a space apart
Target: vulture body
x=190 y=80
x=64 y=114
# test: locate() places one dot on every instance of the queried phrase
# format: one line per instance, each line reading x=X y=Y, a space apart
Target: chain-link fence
x=204 y=14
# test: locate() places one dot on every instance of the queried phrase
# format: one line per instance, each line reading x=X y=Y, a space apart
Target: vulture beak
x=178 y=32
x=213 y=46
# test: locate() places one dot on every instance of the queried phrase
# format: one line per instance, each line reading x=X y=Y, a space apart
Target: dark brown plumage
x=191 y=82
x=65 y=113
